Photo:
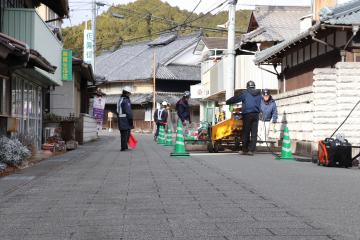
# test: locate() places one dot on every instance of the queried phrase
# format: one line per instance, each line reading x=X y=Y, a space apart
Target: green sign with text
x=66 y=65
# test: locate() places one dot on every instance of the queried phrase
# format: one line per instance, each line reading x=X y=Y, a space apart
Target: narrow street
x=98 y=192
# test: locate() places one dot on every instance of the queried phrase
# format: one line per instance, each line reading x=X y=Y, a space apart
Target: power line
x=179 y=26
x=192 y=11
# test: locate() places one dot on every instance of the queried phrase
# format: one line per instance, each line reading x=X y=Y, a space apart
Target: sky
x=80 y=9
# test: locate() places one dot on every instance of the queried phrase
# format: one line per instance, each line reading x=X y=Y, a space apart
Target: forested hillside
x=145 y=19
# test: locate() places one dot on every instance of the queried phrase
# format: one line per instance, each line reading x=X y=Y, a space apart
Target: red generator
x=334 y=153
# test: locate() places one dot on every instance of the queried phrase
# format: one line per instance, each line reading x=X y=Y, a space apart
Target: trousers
x=250 y=130
x=124 y=135
x=263 y=131
x=158 y=128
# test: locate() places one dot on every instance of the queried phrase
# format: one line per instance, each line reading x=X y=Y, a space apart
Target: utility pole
x=154 y=89
x=148 y=24
x=93 y=28
x=230 y=80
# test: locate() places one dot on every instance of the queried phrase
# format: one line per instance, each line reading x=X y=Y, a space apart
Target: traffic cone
x=286 y=147
x=179 y=150
x=161 y=137
x=169 y=138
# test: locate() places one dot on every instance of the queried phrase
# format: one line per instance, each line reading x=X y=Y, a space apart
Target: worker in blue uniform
x=251 y=101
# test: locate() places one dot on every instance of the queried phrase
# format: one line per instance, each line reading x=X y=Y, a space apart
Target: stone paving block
x=262 y=224
x=298 y=231
x=148 y=234
x=106 y=194
x=237 y=237
x=193 y=233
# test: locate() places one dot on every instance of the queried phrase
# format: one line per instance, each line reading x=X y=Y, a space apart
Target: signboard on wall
x=66 y=65
x=88 y=42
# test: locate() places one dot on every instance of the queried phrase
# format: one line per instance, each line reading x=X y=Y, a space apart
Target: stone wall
x=295 y=110
x=337 y=91
x=313 y=113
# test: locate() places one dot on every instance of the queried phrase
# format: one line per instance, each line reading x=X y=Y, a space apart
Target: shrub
x=12 y=151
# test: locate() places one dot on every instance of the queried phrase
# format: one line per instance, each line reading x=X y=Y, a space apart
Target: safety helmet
x=250 y=84
x=187 y=94
x=164 y=103
x=126 y=90
x=266 y=92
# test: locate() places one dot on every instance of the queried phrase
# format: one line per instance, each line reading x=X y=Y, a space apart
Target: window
x=4 y=96
x=322 y=47
x=288 y=60
x=314 y=50
x=295 y=58
x=283 y=63
x=340 y=39
x=330 y=40
x=307 y=53
x=26 y=105
x=301 y=56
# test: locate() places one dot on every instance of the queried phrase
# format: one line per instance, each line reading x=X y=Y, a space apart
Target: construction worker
x=183 y=108
x=160 y=118
x=268 y=114
x=251 y=101
x=125 y=117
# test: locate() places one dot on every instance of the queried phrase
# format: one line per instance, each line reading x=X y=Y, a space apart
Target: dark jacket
x=162 y=119
x=269 y=110
x=251 y=101
x=183 y=109
x=125 y=115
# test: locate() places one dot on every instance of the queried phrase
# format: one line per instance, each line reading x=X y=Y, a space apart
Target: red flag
x=132 y=141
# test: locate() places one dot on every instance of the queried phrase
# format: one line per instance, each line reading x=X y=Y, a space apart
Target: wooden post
x=154 y=91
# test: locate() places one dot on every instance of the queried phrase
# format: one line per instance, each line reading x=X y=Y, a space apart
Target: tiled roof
x=216 y=42
x=269 y=52
x=179 y=72
x=135 y=61
x=346 y=14
x=13 y=50
x=136 y=98
x=276 y=23
x=145 y=98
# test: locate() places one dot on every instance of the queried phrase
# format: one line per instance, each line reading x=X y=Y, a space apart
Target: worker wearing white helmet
x=160 y=117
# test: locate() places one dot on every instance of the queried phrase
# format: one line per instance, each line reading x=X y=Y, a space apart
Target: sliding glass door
x=26 y=106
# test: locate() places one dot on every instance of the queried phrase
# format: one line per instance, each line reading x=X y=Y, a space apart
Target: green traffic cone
x=161 y=137
x=286 y=147
x=169 y=138
x=179 y=150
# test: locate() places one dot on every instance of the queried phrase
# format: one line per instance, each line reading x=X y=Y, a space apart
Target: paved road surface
x=330 y=196
x=98 y=192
